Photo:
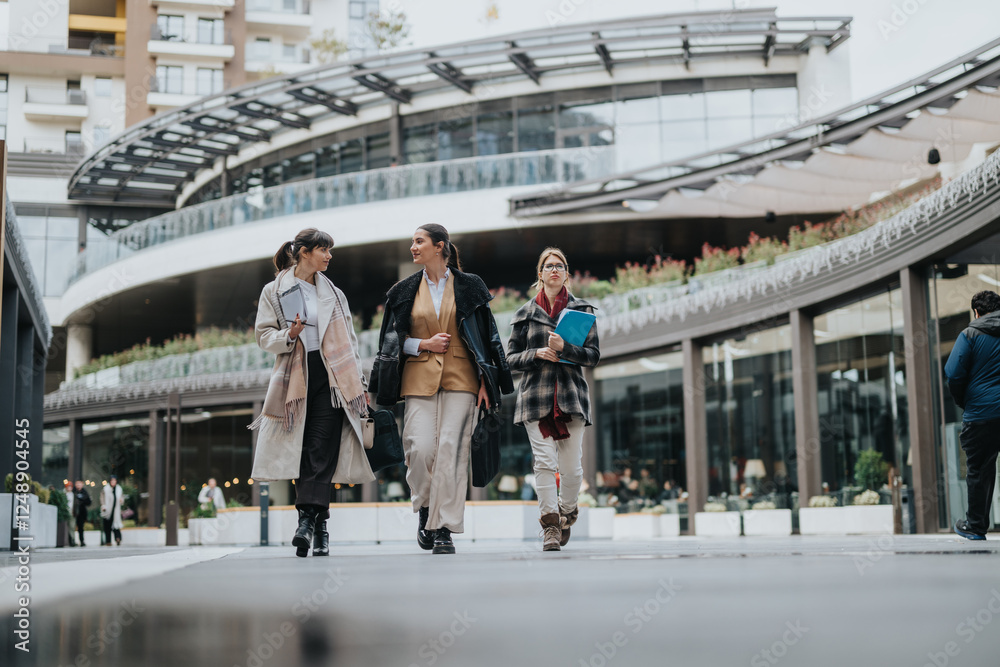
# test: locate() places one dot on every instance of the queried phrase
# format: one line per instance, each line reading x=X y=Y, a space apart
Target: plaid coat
x=539 y=378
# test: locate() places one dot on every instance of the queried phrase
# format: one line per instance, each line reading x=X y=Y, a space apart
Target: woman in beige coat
x=310 y=426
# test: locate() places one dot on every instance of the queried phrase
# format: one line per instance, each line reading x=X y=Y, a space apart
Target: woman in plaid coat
x=553 y=400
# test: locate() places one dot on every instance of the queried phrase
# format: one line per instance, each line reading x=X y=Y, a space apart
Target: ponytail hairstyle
x=307 y=239
x=439 y=234
x=549 y=252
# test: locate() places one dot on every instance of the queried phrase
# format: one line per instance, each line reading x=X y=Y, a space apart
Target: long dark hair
x=307 y=239
x=439 y=234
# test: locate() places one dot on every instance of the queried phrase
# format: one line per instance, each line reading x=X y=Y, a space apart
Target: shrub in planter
x=868 y=497
x=206 y=511
x=62 y=505
x=715 y=507
x=871 y=471
x=822 y=501
x=764 y=505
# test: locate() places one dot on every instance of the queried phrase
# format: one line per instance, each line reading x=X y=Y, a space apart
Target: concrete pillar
x=824 y=83
x=154 y=483
x=920 y=399
x=8 y=377
x=79 y=347
x=258 y=406
x=234 y=72
x=24 y=412
x=590 y=433
x=140 y=68
x=75 y=450
x=695 y=428
x=806 y=403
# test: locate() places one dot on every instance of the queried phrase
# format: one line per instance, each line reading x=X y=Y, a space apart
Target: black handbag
x=381 y=439
x=486 y=447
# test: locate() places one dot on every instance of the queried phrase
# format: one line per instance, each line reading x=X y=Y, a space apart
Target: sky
x=892 y=41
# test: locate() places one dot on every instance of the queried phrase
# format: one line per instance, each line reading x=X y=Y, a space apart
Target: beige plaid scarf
x=286 y=390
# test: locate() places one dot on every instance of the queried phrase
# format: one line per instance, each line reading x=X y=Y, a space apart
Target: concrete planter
x=600 y=522
x=850 y=520
x=670 y=525
x=717 y=524
x=636 y=526
x=767 y=522
x=42 y=520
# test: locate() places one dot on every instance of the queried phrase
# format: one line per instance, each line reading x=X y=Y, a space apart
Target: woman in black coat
x=439 y=349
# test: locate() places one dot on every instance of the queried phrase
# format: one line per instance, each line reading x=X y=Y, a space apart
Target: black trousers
x=80 y=520
x=107 y=531
x=981 y=442
x=320 y=440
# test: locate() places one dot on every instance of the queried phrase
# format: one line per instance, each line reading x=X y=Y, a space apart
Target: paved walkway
x=890 y=600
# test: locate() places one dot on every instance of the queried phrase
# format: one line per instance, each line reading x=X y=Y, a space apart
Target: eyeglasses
x=554 y=267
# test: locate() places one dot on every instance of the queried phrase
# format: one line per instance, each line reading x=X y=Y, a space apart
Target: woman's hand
x=296 y=328
x=556 y=341
x=546 y=354
x=438 y=343
x=484 y=397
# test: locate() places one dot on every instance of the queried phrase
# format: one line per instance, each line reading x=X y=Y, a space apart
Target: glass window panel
x=536 y=129
x=729 y=131
x=171 y=27
x=586 y=114
x=728 y=103
x=420 y=144
x=59 y=264
x=377 y=155
x=495 y=133
x=328 y=161
x=288 y=52
x=641 y=428
x=682 y=107
x=62 y=228
x=775 y=101
x=643 y=110
x=750 y=414
x=455 y=139
x=262 y=48
x=35 y=248
x=638 y=145
x=350 y=157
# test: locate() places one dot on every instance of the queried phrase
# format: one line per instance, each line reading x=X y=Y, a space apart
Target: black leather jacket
x=476 y=326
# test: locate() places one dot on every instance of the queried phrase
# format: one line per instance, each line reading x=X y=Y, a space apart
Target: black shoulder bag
x=486 y=447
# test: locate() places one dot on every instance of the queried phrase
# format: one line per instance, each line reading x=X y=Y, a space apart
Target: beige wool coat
x=278 y=451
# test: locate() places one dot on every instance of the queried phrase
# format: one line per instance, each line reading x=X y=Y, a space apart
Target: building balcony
x=217 y=47
x=287 y=16
x=364 y=187
x=216 y=4
x=54 y=145
x=48 y=104
x=264 y=62
x=163 y=95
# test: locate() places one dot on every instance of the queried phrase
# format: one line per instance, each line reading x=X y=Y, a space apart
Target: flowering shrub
x=715 y=507
x=505 y=299
x=822 y=501
x=715 y=259
x=586 y=286
x=868 y=497
x=180 y=344
x=762 y=249
x=764 y=505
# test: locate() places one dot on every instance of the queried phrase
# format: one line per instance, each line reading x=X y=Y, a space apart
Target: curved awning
x=151 y=162
x=832 y=163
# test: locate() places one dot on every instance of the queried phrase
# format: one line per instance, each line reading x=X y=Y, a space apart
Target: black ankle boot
x=442 y=542
x=321 y=538
x=425 y=538
x=304 y=533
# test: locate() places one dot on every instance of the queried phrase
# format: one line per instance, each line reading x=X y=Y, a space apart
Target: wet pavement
x=888 y=600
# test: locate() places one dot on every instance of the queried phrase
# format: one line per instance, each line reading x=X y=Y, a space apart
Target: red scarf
x=553 y=425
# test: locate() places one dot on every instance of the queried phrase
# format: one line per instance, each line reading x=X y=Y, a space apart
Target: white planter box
x=717 y=524
x=600 y=522
x=397 y=522
x=670 y=525
x=41 y=519
x=767 y=522
x=636 y=526
x=503 y=520
x=850 y=520
x=347 y=524
x=150 y=537
x=204 y=531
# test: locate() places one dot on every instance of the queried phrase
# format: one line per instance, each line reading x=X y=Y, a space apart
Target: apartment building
x=76 y=73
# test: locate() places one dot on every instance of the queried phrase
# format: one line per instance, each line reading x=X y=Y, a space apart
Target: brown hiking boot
x=567 y=519
x=551 y=532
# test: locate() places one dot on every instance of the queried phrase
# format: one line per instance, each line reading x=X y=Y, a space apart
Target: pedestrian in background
x=973 y=372
x=81 y=501
x=553 y=399
x=211 y=494
x=310 y=425
x=111 y=511
x=68 y=491
x=439 y=349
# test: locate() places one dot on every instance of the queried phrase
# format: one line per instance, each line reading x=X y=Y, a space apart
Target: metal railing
x=278 y=6
x=196 y=36
x=44 y=95
x=432 y=178
x=53 y=145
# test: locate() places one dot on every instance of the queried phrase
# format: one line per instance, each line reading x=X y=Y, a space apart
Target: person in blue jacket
x=973 y=372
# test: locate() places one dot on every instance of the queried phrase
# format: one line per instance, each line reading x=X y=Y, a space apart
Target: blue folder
x=573 y=326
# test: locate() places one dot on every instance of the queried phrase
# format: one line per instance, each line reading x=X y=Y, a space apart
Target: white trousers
x=437 y=437
x=564 y=456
